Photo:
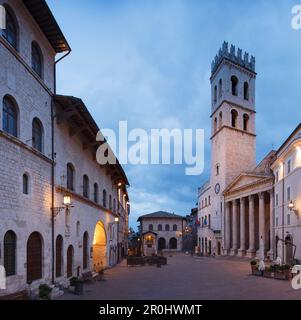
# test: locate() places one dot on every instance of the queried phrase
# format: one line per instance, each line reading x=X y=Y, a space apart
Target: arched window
x=234 y=115
x=234 y=85
x=167 y=227
x=34 y=257
x=86 y=186
x=58 y=256
x=104 y=198
x=25 y=184
x=36 y=59
x=70 y=176
x=114 y=205
x=246 y=91
x=10 y=244
x=215 y=94
x=174 y=227
x=10 y=33
x=37 y=134
x=110 y=202
x=220 y=120
x=150 y=227
x=217 y=169
x=10 y=116
x=85 y=250
x=159 y=227
x=246 y=122
x=220 y=88
x=96 y=193
x=215 y=124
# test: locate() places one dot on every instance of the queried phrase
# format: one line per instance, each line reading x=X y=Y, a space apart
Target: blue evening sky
x=148 y=62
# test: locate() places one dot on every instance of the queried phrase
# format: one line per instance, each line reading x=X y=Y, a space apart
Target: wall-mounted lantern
x=291 y=207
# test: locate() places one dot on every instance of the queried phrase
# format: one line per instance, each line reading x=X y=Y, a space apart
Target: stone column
x=251 y=250
x=271 y=252
x=234 y=227
x=242 y=228
x=261 y=218
x=227 y=227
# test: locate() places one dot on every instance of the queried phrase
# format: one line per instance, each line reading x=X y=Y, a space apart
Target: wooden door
x=69 y=262
x=34 y=257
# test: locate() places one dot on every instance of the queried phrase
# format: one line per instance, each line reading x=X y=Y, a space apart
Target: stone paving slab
x=187 y=277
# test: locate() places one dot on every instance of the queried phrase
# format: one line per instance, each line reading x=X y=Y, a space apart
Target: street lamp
x=291 y=207
x=66 y=205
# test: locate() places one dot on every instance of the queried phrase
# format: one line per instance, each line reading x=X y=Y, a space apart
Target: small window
x=36 y=59
x=209 y=200
x=220 y=120
x=167 y=227
x=221 y=207
x=246 y=91
x=114 y=205
x=174 y=227
x=276 y=222
x=234 y=85
x=288 y=193
x=205 y=202
x=77 y=228
x=110 y=202
x=209 y=220
x=288 y=219
x=150 y=227
x=96 y=193
x=10 y=33
x=215 y=94
x=70 y=177
x=86 y=186
x=37 y=134
x=277 y=176
x=25 y=184
x=215 y=124
x=234 y=115
x=288 y=166
x=277 y=199
x=104 y=198
x=245 y=122
x=217 y=169
x=220 y=88
x=159 y=227
x=10 y=117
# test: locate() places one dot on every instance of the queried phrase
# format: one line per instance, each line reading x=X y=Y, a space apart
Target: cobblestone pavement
x=187 y=277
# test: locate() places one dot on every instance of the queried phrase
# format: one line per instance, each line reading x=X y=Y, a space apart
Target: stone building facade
x=47 y=154
x=161 y=231
x=245 y=206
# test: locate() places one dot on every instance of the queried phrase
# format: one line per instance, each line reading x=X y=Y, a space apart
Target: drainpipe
x=53 y=167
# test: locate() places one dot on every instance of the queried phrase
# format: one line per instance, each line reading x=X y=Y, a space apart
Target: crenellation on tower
x=233 y=55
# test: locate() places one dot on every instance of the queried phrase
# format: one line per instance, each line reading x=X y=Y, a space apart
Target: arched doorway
x=288 y=249
x=70 y=253
x=219 y=248
x=206 y=246
x=173 y=243
x=58 y=256
x=99 y=247
x=209 y=249
x=161 y=244
x=85 y=250
x=34 y=257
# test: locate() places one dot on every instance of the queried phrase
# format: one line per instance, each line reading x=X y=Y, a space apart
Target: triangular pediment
x=244 y=180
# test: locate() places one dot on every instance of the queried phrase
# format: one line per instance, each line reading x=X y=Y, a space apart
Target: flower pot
x=79 y=287
x=268 y=274
x=253 y=268
x=282 y=275
x=258 y=273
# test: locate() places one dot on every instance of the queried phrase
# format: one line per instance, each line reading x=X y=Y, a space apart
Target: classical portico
x=249 y=207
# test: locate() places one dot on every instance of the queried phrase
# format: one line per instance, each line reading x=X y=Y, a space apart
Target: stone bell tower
x=233 y=138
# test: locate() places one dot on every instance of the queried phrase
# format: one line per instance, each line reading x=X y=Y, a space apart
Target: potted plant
x=77 y=284
x=44 y=292
x=101 y=273
x=254 y=266
x=282 y=272
x=268 y=272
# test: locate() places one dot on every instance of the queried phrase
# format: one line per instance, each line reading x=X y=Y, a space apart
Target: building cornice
x=21 y=144
x=231 y=128
x=235 y=105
